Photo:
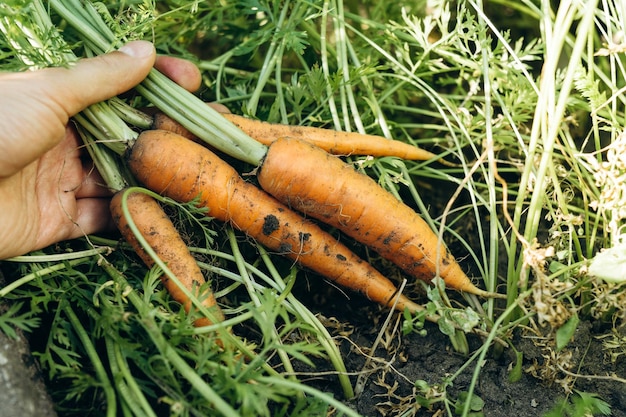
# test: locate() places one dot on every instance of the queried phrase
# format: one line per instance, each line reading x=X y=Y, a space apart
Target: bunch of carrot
x=174 y=166
x=297 y=178
x=336 y=194
x=300 y=177
x=166 y=161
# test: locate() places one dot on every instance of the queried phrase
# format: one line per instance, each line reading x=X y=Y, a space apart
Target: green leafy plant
x=531 y=110
x=580 y=404
x=476 y=405
x=16 y=318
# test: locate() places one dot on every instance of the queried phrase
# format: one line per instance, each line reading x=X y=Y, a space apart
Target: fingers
x=182 y=72
x=93 y=216
x=96 y=79
x=218 y=107
x=92 y=80
x=36 y=105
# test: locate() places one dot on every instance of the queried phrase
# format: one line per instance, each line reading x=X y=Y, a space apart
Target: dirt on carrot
x=161 y=234
x=308 y=179
x=190 y=171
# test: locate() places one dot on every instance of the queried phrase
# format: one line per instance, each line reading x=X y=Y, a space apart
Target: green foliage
x=566 y=332
x=531 y=109
x=122 y=316
x=476 y=405
x=16 y=318
x=580 y=404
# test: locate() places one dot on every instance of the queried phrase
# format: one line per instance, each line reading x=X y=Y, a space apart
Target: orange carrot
x=161 y=121
x=175 y=167
x=309 y=180
x=332 y=141
x=161 y=234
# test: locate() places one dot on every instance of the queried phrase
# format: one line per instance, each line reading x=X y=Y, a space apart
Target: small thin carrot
x=332 y=141
x=161 y=234
x=173 y=166
x=320 y=185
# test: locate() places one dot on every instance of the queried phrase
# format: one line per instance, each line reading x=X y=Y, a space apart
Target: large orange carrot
x=332 y=141
x=160 y=233
x=175 y=167
x=320 y=185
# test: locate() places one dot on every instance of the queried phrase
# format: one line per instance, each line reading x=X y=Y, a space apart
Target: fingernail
x=138 y=49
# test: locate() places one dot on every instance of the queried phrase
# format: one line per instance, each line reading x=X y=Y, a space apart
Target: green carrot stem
x=167 y=350
x=98 y=367
x=339 y=406
x=126 y=385
x=323 y=336
x=169 y=97
x=129 y=114
x=200 y=119
x=105 y=162
x=272 y=332
x=40 y=273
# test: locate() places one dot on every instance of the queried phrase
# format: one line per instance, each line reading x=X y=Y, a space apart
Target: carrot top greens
x=162 y=92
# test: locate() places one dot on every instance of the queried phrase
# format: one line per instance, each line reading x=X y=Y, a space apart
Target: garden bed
x=525 y=102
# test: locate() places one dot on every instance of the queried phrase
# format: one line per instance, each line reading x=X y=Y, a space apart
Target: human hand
x=48 y=192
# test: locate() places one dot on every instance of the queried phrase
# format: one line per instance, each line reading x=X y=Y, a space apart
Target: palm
x=55 y=194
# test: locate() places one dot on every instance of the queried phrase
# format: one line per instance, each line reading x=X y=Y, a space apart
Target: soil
x=402 y=360
x=431 y=358
x=22 y=389
x=391 y=387
x=22 y=392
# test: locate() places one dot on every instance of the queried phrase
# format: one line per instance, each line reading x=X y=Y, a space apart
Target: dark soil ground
x=402 y=360
x=431 y=358
x=22 y=390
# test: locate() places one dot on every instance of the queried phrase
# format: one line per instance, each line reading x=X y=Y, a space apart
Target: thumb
x=43 y=101
x=92 y=80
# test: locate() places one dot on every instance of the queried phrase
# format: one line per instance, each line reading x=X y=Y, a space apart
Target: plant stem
x=324 y=53
x=271 y=58
x=267 y=326
x=546 y=124
x=126 y=385
x=40 y=273
x=169 y=97
x=491 y=274
x=341 y=407
x=200 y=119
x=308 y=317
x=58 y=257
x=103 y=378
x=166 y=349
